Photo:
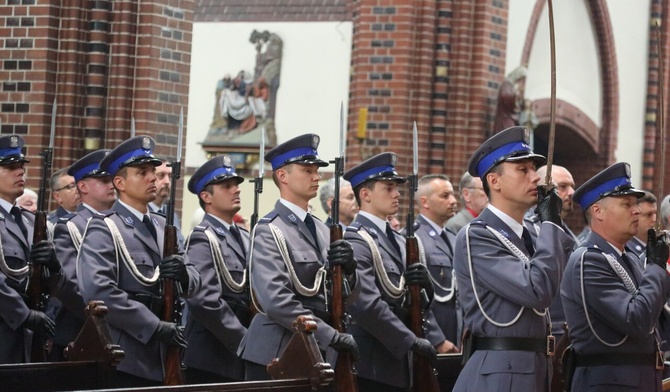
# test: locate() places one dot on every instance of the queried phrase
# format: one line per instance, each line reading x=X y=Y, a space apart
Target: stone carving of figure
x=510 y=100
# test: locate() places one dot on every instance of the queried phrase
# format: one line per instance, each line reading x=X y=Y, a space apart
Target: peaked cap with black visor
x=300 y=149
x=380 y=167
x=135 y=151
x=10 y=150
x=216 y=170
x=612 y=181
x=88 y=166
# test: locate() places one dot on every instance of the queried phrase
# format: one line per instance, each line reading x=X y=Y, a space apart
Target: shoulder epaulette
x=353 y=229
x=103 y=214
x=67 y=217
x=199 y=228
x=269 y=217
x=478 y=221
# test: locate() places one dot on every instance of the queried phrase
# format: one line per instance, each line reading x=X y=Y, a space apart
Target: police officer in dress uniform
x=17 y=321
x=121 y=263
x=97 y=194
x=611 y=303
x=285 y=293
x=379 y=318
x=648 y=209
x=436 y=203
x=219 y=313
x=505 y=282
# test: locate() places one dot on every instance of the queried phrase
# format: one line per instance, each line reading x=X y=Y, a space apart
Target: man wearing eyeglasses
x=64 y=191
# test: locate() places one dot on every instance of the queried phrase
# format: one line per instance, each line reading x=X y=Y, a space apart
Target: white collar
x=7 y=206
x=380 y=223
x=294 y=208
x=93 y=210
x=516 y=227
x=135 y=212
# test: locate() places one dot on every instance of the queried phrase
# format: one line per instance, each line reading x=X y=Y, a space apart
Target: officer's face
x=139 y=186
x=382 y=199
x=441 y=200
x=12 y=181
x=616 y=218
x=163 y=173
x=565 y=186
x=66 y=193
x=224 y=200
x=348 y=205
x=98 y=190
x=647 y=218
x=474 y=195
x=301 y=181
x=516 y=183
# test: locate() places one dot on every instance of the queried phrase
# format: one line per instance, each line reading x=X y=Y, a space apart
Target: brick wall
x=272 y=11
x=105 y=62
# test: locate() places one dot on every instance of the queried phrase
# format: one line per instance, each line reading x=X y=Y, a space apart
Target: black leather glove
x=40 y=324
x=341 y=253
x=173 y=267
x=549 y=205
x=417 y=274
x=657 y=249
x=346 y=342
x=425 y=349
x=43 y=253
x=171 y=334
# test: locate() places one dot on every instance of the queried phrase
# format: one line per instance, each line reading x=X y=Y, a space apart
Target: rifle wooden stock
x=345 y=378
x=35 y=289
x=172 y=364
x=424 y=378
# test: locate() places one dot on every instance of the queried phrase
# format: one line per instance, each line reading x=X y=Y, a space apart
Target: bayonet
x=552 y=116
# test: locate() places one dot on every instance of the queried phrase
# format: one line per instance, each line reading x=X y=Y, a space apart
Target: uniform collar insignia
x=373 y=231
x=2 y=216
x=128 y=220
x=503 y=232
x=292 y=218
x=432 y=233
x=219 y=230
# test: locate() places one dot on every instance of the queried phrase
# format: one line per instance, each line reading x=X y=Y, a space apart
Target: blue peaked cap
x=10 y=150
x=88 y=166
x=218 y=169
x=133 y=152
x=380 y=167
x=509 y=145
x=613 y=181
x=301 y=149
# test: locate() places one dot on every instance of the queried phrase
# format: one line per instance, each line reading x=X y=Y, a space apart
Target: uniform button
x=509 y=366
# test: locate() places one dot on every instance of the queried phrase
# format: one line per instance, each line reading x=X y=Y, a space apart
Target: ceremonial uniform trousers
x=620 y=318
x=219 y=315
x=67 y=237
x=276 y=292
x=379 y=321
x=512 y=292
x=104 y=277
x=15 y=341
x=439 y=256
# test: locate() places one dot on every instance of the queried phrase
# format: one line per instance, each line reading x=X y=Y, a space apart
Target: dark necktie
x=528 y=242
x=150 y=226
x=391 y=236
x=18 y=218
x=309 y=221
x=443 y=234
x=235 y=232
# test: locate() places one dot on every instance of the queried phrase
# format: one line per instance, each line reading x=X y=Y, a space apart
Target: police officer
x=289 y=260
x=219 y=313
x=611 y=303
x=648 y=209
x=505 y=282
x=16 y=234
x=121 y=263
x=97 y=194
x=436 y=203
x=379 y=318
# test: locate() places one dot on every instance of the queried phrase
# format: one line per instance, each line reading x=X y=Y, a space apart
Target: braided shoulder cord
x=451 y=290
x=120 y=247
x=13 y=273
x=280 y=240
x=586 y=310
x=222 y=268
x=390 y=289
x=74 y=235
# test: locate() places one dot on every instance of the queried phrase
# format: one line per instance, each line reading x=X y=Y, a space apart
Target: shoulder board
x=269 y=217
x=199 y=228
x=104 y=214
x=353 y=229
x=478 y=222
x=67 y=217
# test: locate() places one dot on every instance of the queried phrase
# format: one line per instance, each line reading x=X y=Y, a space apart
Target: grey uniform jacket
x=132 y=324
x=504 y=284
x=276 y=294
x=213 y=330
x=70 y=316
x=13 y=309
x=56 y=214
x=614 y=313
x=439 y=256
x=636 y=246
x=456 y=222
x=378 y=325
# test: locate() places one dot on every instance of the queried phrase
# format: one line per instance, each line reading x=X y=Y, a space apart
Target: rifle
x=258 y=189
x=424 y=378
x=171 y=304
x=345 y=375
x=37 y=295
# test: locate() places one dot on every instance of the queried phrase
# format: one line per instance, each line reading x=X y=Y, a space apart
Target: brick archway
x=603 y=140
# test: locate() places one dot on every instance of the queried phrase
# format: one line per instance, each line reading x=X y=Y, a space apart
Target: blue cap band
x=84 y=171
x=115 y=165
x=200 y=185
x=279 y=160
x=10 y=151
x=490 y=160
x=360 y=178
x=596 y=193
